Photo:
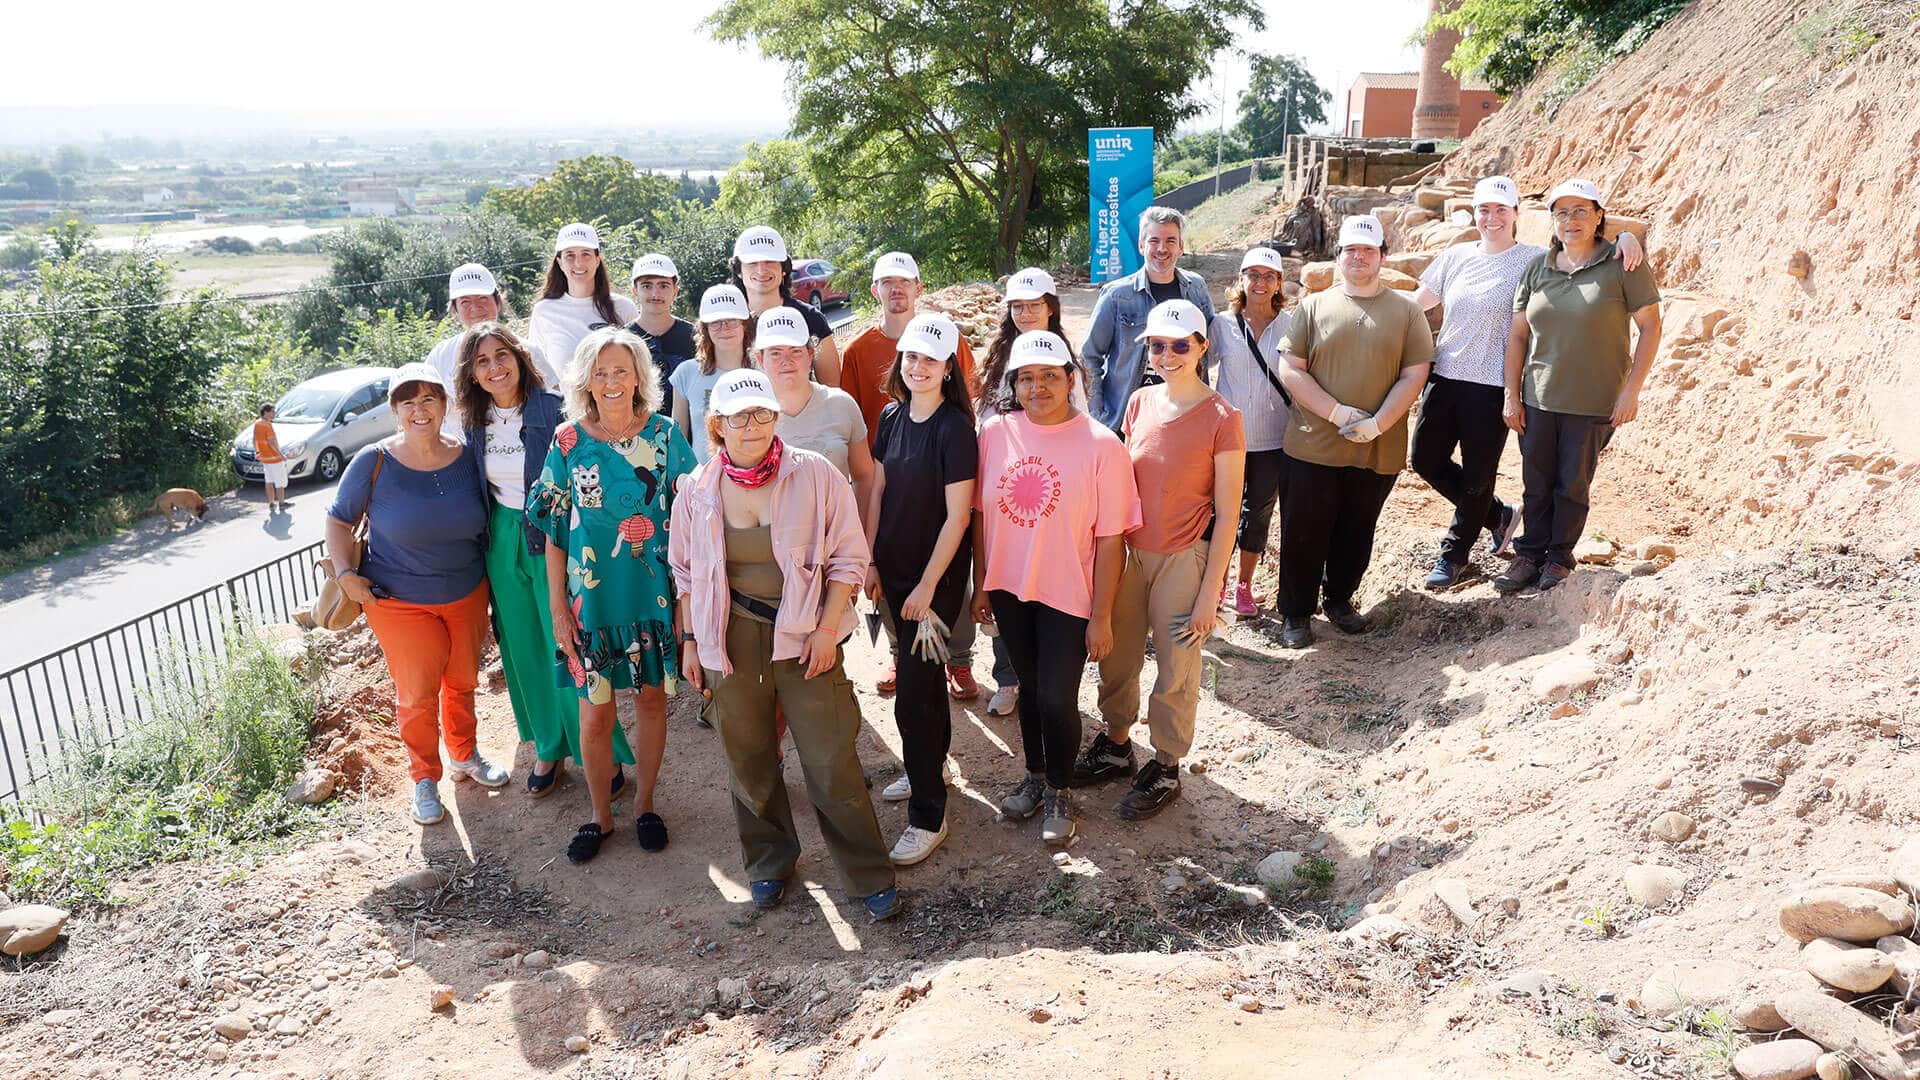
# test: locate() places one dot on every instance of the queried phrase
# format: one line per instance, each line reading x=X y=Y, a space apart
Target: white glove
x=1343 y=415
x=1364 y=430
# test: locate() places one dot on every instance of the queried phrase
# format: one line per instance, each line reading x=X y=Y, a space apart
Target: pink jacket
x=817 y=538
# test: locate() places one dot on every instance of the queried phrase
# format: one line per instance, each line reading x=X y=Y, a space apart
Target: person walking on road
x=1189 y=459
x=421 y=581
x=1461 y=407
x=1573 y=377
x=474 y=297
x=926 y=459
x=604 y=497
x=576 y=299
x=761 y=625
x=1055 y=497
x=512 y=418
x=1355 y=358
x=725 y=342
x=1114 y=357
x=1245 y=341
x=273 y=463
x=670 y=338
x=763 y=271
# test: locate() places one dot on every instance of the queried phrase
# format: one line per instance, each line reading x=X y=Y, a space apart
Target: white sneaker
x=916 y=844
x=426 y=803
x=479 y=770
x=902 y=788
x=1004 y=701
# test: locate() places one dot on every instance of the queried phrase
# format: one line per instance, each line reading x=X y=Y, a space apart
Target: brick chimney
x=1436 y=107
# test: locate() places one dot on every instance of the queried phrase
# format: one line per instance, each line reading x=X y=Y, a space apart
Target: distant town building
x=156 y=196
x=372 y=198
x=1380 y=104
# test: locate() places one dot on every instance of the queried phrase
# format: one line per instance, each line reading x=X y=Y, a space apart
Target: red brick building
x=1380 y=105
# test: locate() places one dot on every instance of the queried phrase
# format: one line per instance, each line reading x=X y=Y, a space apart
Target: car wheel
x=815 y=299
x=331 y=462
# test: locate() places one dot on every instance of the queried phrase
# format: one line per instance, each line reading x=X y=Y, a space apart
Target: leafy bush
x=1509 y=41
x=230 y=245
x=203 y=775
x=20 y=252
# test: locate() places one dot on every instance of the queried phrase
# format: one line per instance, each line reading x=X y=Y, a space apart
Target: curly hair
x=579 y=376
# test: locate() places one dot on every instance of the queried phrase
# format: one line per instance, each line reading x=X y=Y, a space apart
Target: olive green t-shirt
x=1355 y=348
x=1580 y=352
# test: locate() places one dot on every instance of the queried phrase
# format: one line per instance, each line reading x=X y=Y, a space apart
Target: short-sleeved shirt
x=445 y=359
x=695 y=387
x=424 y=527
x=867 y=361
x=829 y=426
x=558 y=325
x=1355 y=348
x=1239 y=379
x=921 y=458
x=1173 y=466
x=265 y=447
x=1580 y=352
x=669 y=351
x=1045 y=495
x=1477 y=290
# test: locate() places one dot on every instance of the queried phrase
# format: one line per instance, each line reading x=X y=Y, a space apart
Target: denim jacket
x=1114 y=360
x=538 y=418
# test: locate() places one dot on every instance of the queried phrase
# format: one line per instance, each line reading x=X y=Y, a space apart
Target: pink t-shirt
x=1045 y=494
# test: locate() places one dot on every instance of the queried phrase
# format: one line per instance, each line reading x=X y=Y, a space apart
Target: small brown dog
x=185 y=499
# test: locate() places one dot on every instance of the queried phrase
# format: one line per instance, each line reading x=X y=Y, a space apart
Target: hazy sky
x=645 y=63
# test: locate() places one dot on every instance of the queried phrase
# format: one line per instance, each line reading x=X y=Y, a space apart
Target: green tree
x=1508 y=41
x=947 y=119
x=69 y=160
x=1281 y=99
x=594 y=189
x=39 y=183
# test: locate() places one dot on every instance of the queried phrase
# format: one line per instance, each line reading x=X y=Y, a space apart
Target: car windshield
x=306 y=404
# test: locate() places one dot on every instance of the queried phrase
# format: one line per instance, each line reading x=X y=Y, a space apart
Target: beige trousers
x=1154 y=589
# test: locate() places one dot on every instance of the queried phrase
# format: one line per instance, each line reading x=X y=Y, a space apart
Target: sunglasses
x=1180 y=348
x=751 y=416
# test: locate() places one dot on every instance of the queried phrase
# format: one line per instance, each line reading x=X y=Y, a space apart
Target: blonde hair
x=580 y=403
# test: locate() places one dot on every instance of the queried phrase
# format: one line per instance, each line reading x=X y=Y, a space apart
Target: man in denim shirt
x=1114 y=357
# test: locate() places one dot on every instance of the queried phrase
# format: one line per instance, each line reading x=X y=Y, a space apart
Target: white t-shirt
x=1477 y=290
x=557 y=326
x=506 y=458
x=690 y=386
x=1240 y=381
x=829 y=425
x=445 y=359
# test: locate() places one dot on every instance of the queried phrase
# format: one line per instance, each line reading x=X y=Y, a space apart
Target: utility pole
x=1220 y=138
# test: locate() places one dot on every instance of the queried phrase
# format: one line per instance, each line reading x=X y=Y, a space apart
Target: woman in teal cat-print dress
x=604 y=498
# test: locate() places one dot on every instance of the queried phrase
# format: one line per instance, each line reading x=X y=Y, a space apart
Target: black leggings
x=1266 y=475
x=926 y=726
x=1049 y=649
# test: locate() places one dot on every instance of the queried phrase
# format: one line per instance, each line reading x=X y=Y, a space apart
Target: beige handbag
x=332 y=608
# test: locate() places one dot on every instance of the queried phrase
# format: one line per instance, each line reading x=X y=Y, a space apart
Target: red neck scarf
x=757 y=475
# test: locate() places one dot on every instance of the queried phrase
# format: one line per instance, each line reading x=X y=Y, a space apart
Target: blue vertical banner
x=1119 y=188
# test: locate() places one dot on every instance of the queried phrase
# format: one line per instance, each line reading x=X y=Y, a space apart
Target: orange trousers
x=433 y=654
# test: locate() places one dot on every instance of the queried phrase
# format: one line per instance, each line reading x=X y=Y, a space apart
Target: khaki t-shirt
x=1355 y=349
x=1580 y=351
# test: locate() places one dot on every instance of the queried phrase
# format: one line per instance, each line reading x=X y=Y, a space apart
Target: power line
x=269 y=295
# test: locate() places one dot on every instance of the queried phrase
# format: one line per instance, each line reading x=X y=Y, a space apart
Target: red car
x=813 y=282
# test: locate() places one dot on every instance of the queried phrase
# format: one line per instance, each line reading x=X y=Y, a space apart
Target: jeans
x=1559 y=453
x=1327 y=518
x=1049 y=649
x=1467 y=415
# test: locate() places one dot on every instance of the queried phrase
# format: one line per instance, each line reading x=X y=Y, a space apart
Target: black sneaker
x=1296 y=632
x=1520 y=573
x=1343 y=616
x=1445 y=575
x=1103 y=760
x=1155 y=787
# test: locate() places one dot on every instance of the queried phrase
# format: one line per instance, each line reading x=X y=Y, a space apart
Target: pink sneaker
x=1243 y=599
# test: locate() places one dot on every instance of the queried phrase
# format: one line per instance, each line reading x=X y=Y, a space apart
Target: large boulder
x=1782 y=1059
x=29 y=928
x=1317 y=276
x=1845 y=912
x=1536 y=227
x=1394 y=279
x=1844 y=1030
x=1847 y=966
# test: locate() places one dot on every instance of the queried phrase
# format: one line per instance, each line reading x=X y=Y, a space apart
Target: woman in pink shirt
x=1056 y=494
x=766 y=549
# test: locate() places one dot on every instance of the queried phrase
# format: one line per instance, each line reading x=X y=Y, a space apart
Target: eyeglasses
x=751 y=416
x=1578 y=213
x=1180 y=348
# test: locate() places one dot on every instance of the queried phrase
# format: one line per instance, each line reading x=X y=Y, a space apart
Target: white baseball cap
x=742 y=389
x=931 y=333
x=761 y=243
x=579 y=234
x=1362 y=229
x=1174 y=319
x=1038 y=348
x=1031 y=284
x=1263 y=257
x=1579 y=189
x=471 y=279
x=723 y=302
x=896 y=264
x=1497 y=189
x=654 y=264
x=780 y=326
x=415 y=372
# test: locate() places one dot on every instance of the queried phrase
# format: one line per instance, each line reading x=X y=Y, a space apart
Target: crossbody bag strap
x=360 y=527
x=1253 y=346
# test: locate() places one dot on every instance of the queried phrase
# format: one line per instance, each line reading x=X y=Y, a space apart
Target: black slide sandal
x=652 y=831
x=586 y=843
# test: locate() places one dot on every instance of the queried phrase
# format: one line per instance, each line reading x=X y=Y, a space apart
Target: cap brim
x=1025 y=294
x=924 y=345
x=771 y=340
x=740 y=405
x=1037 y=361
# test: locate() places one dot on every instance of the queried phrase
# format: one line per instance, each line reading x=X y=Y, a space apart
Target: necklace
x=632 y=430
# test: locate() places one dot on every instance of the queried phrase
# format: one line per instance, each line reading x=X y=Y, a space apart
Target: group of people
x=631 y=500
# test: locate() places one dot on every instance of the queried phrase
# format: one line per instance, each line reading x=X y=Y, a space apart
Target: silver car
x=321 y=423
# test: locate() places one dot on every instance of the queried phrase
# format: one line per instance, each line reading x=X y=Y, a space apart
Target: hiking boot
x=1296 y=632
x=1056 y=820
x=1342 y=615
x=1445 y=574
x=1553 y=574
x=480 y=771
x=1501 y=541
x=1004 y=701
x=1103 y=760
x=1024 y=800
x=426 y=803
x=960 y=684
x=1156 y=786
x=1243 y=603
x=916 y=844
x=1519 y=574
